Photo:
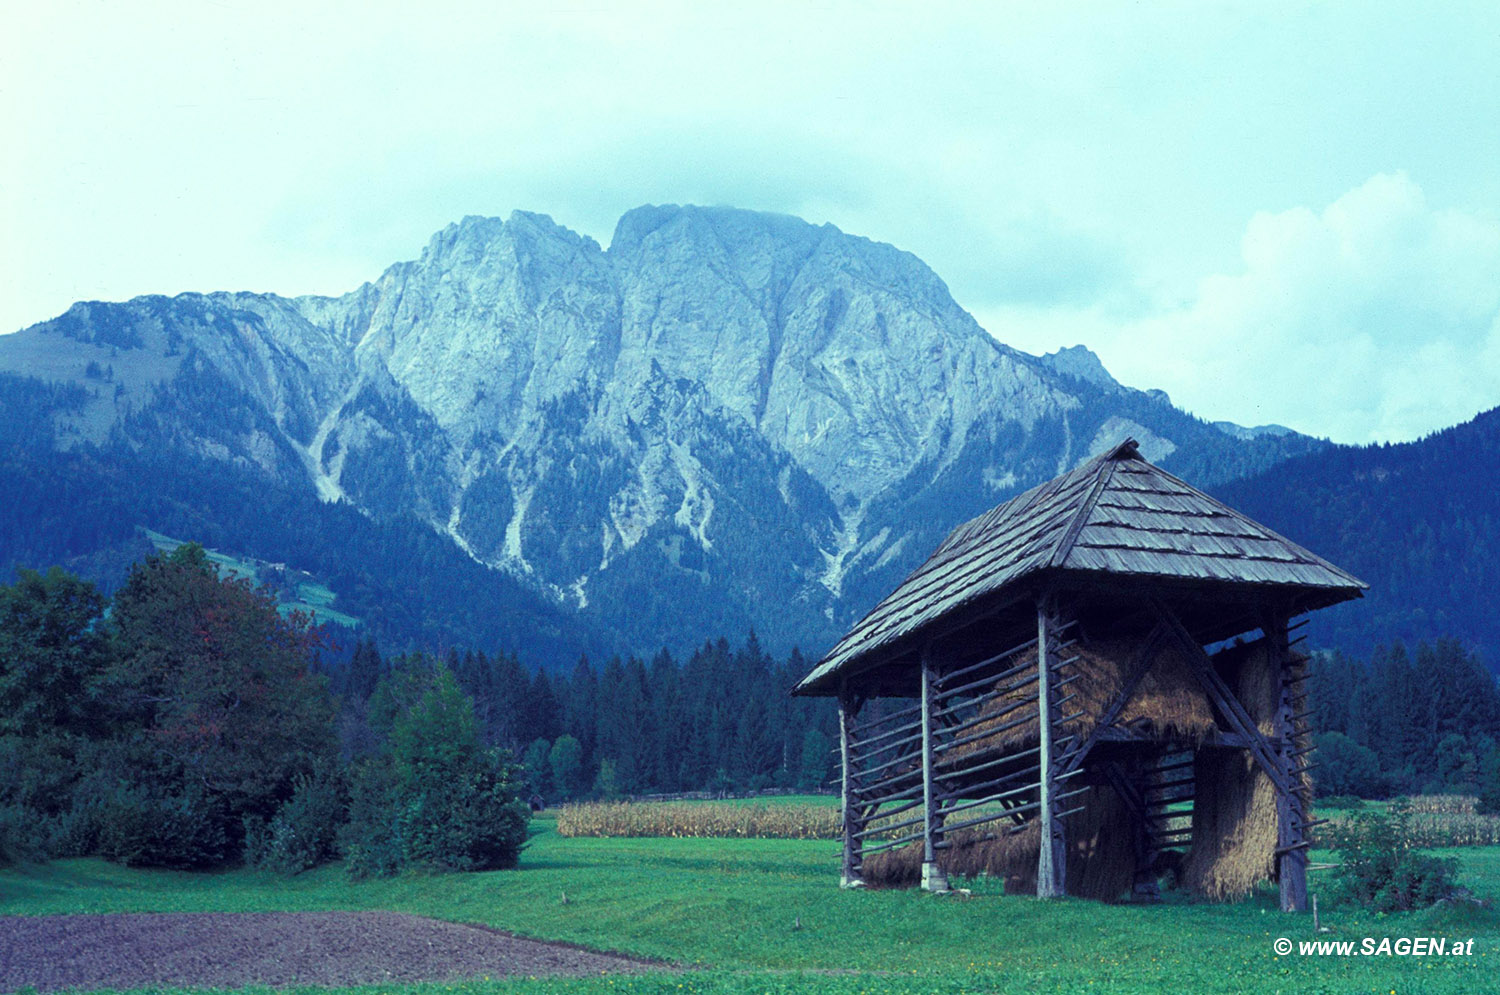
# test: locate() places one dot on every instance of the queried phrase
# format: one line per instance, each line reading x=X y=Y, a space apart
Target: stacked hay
x=1101 y=857
x=1167 y=703
x=1234 y=805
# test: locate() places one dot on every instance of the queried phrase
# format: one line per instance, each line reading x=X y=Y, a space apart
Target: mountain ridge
x=761 y=419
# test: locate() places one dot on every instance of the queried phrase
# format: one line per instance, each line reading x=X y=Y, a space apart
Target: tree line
x=1405 y=722
x=720 y=720
x=187 y=722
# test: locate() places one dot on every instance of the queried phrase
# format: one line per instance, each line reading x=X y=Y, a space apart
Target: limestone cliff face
x=726 y=418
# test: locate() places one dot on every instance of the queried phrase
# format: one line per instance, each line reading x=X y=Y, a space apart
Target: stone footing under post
x=934 y=878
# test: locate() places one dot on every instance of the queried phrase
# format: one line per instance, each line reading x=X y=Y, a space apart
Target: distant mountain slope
x=1419 y=522
x=83 y=508
x=727 y=419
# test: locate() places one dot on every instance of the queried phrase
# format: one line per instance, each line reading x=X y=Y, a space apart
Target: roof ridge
x=1085 y=509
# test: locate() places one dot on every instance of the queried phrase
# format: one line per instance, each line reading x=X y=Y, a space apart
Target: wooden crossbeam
x=991 y=681
x=944 y=678
x=862 y=748
x=876 y=723
x=955 y=773
x=1026 y=824
x=1008 y=813
x=968 y=790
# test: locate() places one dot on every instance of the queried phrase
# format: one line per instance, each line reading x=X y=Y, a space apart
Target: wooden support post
x=854 y=822
x=933 y=877
x=1291 y=806
x=1052 y=861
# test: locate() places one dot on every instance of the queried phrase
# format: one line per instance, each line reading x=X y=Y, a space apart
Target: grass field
x=315 y=599
x=768 y=916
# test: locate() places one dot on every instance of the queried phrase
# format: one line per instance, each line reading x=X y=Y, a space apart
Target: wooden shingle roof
x=1118 y=515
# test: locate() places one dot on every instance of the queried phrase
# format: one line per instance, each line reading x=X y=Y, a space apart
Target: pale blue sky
x=1276 y=212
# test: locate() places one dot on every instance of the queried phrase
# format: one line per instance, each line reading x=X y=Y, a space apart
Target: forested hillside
x=1419 y=522
x=719 y=720
x=84 y=509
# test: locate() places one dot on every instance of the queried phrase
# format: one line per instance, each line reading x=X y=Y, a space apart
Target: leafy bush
x=436 y=799
x=140 y=829
x=371 y=839
x=75 y=833
x=22 y=836
x=304 y=832
x=472 y=821
x=1381 y=869
x=38 y=772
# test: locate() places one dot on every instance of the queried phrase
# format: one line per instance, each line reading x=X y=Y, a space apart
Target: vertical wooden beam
x=933 y=877
x=1291 y=806
x=1052 y=862
x=852 y=819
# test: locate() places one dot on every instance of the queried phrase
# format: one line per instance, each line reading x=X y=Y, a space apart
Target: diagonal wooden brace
x=1223 y=698
x=1138 y=668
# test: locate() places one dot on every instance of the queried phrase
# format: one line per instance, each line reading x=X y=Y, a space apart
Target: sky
x=1277 y=212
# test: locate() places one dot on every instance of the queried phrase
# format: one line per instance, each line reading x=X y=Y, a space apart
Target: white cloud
x=1066 y=168
x=1374 y=319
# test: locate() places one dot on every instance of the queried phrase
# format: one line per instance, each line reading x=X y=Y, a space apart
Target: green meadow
x=308 y=596
x=743 y=916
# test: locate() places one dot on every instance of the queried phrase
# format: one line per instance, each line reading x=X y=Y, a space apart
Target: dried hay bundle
x=1167 y=702
x=1234 y=808
x=1234 y=825
x=1101 y=855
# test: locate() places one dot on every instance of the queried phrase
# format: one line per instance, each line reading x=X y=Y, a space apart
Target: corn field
x=1439 y=804
x=1432 y=821
x=697 y=820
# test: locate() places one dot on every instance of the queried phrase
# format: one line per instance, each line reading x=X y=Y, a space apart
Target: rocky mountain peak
x=726 y=405
x=1081 y=362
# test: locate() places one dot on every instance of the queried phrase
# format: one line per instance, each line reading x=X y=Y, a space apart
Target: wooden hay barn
x=1054 y=697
